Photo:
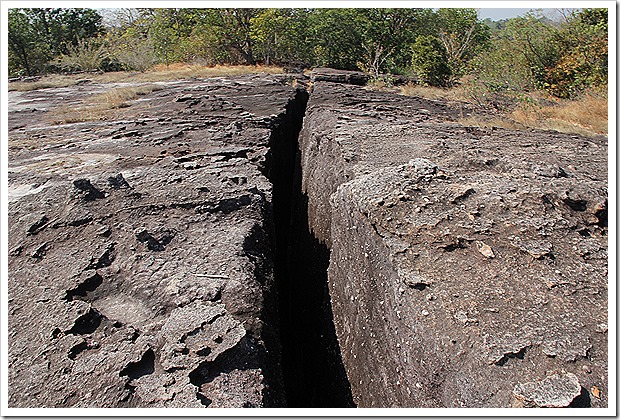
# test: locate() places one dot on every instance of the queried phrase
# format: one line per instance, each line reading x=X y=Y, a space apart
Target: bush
x=87 y=55
x=429 y=60
x=138 y=56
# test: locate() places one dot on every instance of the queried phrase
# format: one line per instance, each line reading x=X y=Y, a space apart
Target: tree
x=566 y=58
x=336 y=37
x=26 y=50
x=430 y=61
x=37 y=36
x=128 y=39
x=536 y=41
x=463 y=36
x=583 y=54
x=232 y=30
x=281 y=36
x=385 y=33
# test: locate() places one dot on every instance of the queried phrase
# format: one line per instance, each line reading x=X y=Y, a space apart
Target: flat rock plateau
x=285 y=241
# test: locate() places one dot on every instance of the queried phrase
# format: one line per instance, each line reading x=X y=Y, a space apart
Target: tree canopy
x=436 y=46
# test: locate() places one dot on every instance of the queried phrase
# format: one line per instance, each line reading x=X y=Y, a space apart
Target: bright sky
x=497 y=14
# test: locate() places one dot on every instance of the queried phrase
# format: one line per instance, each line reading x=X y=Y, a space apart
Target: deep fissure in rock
x=313 y=371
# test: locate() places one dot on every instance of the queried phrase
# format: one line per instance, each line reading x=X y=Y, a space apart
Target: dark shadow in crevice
x=582 y=400
x=87 y=323
x=314 y=375
x=144 y=366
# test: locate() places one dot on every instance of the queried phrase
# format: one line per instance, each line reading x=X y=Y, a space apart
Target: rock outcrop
x=140 y=267
x=193 y=252
x=465 y=262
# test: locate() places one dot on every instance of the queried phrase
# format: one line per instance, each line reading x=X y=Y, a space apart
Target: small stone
x=601 y=328
x=553 y=391
x=184 y=98
x=104 y=231
x=87 y=189
x=39 y=223
x=425 y=312
x=118 y=182
x=485 y=250
x=464 y=318
x=40 y=251
x=536 y=248
x=16 y=251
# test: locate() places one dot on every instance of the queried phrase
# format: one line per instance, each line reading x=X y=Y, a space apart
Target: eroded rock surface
x=140 y=269
x=467 y=266
x=464 y=260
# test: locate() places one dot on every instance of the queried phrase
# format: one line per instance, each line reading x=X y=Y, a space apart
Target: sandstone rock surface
x=140 y=270
x=464 y=260
x=190 y=253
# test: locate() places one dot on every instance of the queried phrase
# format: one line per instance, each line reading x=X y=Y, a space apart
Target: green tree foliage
x=463 y=36
x=440 y=45
x=231 y=30
x=37 y=36
x=281 y=36
x=374 y=40
x=535 y=40
x=583 y=55
x=169 y=29
x=384 y=32
x=430 y=61
x=563 y=59
x=336 y=37
x=128 y=39
x=27 y=53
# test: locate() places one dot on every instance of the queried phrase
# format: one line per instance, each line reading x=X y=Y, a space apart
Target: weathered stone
x=457 y=266
x=105 y=292
x=486 y=225
x=553 y=391
x=339 y=76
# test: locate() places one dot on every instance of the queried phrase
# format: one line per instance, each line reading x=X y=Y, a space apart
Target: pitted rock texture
x=553 y=391
x=140 y=271
x=467 y=266
x=464 y=261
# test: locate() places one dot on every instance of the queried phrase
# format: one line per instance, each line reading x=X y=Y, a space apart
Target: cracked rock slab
x=468 y=259
x=553 y=391
x=129 y=265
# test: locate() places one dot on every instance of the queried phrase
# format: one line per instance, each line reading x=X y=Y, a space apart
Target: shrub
x=429 y=60
x=87 y=55
x=138 y=56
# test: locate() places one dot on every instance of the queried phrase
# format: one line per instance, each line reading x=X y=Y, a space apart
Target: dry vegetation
x=102 y=106
x=435 y=93
x=45 y=82
x=106 y=105
x=586 y=115
x=159 y=73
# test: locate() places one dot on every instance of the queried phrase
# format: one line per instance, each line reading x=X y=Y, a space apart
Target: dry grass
x=159 y=73
x=102 y=106
x=586 y=115
x=51 y=81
